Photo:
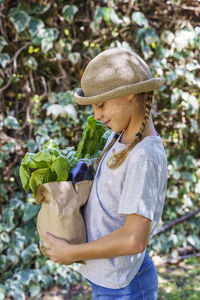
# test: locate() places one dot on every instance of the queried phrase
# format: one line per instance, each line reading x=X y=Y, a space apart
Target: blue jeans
x=144 y=285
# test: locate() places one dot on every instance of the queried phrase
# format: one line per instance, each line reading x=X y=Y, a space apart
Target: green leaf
x=91 y=136
x=30 y=161
x=167 y=37
x=48 y=36
x=3 y=43
x=98 y=15
x=41 y=176
x=114 y=17
x=51 y=144
x=139 y=18
x=1 y=82
x=151 y=36
x=34 y=289
x=26 y=276
x=104 y=139
x=44 y=156
x=107 y=11
x=24 y=176
x=31 y=62
x=194 y=241
x=69 y=12
x=35 y=8
x=11 y=122
x=30 y=211
x=4 y=59
x=74 y=57
x=34 y=26
x=31 y=251
x=71 y=111
x=2 y=292
x=62 y=167
x=8 y=216
x=19 y=18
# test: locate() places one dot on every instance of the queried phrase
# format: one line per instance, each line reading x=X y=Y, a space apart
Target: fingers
x=49 y=236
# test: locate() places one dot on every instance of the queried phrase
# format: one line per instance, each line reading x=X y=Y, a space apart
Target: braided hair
x=118 y=158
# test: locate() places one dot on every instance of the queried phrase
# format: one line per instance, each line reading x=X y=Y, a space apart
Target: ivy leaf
x=1 y=82
x=4 y=59
x=31 y=62
x=167 y=37
x=19 y=18
x=35 y=8
x=2 y=43
x=31 y=251
x=98 y=15
x=107 y=14
x=71 y=111
x=30 y=211
x=2 y=292
x=74 y=57
x=8 y=216
x=139 y=18
x=114 y=17
x=11 y=122
x=34 y=289
x=69 y=12
x=48 y=36
x=34 y=26
x=55 y=110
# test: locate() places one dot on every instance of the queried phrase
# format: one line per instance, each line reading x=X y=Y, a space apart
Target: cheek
x=121 y=112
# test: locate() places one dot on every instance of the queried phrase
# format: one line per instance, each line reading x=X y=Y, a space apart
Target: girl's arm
x=131 y=238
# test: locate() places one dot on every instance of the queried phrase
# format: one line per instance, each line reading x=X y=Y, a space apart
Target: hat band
x=122 y=91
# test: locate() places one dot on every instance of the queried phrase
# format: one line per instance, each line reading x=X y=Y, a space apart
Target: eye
x=100 y=106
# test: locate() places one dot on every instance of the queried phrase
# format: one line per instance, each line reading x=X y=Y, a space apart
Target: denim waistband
x=146 y=262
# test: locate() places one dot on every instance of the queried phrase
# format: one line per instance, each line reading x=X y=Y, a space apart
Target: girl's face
x=118 y=114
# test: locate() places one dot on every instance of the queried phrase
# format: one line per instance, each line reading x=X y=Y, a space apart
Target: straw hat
x=115 y=73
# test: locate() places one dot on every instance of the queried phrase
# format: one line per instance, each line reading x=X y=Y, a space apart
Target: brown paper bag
x=60 y=213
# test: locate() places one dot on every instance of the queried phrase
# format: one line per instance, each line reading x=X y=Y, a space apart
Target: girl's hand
x=60 y=251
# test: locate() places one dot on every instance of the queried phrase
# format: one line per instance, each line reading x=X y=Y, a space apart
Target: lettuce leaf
x=54 y=164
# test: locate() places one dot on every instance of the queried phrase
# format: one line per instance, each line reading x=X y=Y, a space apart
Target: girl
x=128 y=192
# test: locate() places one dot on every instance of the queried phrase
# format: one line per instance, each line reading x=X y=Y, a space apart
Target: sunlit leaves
x=63 y=111
x=167 y=36
x=139 y=18
x=110 y=15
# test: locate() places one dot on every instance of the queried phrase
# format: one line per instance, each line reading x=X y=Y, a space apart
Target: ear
x=130 y=97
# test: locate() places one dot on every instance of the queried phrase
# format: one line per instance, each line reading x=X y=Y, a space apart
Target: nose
x=97 y=114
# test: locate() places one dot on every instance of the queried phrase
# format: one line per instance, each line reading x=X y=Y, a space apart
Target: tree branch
x=175 y=222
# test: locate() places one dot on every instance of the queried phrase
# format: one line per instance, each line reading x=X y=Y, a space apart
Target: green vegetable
x=54 y=164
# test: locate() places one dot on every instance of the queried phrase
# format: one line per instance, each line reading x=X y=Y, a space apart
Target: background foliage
x=44 y=48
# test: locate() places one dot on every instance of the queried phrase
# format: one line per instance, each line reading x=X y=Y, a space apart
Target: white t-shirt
x=138 y=186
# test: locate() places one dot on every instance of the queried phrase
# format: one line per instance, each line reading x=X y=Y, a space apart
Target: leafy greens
x=53 y=164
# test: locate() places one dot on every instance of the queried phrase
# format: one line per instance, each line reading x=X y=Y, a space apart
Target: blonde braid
x=117 y=159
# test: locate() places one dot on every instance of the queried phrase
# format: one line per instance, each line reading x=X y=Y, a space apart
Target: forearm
x=117 y=243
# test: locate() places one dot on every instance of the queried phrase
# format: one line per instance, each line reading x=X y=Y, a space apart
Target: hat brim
x=122 y=91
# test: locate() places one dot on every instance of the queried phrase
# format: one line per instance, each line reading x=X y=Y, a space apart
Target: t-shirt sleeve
x=140 y=189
